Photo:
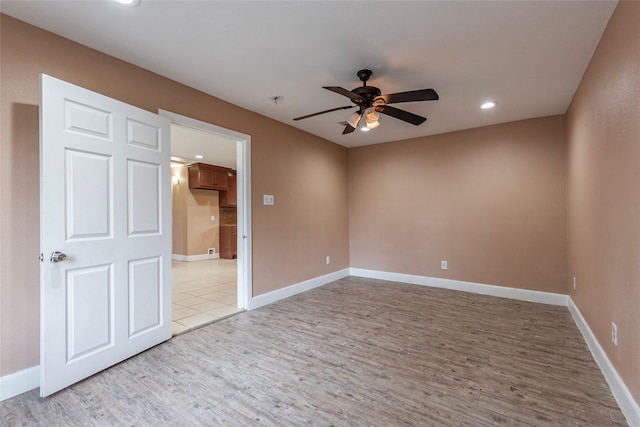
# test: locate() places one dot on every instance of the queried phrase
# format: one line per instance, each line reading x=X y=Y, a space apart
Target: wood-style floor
x=356 y=352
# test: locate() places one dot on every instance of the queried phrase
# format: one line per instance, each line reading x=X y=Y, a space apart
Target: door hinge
x=41 y=257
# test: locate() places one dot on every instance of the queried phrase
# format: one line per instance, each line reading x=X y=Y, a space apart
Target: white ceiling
x=527 y=55
x=187 y=143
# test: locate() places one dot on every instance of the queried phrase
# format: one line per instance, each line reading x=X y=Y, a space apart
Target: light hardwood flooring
x=356 y=352
x=203 y=292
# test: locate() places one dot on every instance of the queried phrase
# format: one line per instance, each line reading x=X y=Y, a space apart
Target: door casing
x=243 y=166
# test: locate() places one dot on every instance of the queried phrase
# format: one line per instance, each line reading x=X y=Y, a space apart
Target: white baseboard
x=278 y=294
x=457 y=285
x=19 y=382
x=188 y=258
x=620 y=392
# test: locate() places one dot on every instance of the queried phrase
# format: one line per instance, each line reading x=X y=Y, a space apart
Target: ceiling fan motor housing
x=369 y=93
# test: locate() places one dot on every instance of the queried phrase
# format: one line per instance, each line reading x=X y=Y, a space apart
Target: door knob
x=58 y=256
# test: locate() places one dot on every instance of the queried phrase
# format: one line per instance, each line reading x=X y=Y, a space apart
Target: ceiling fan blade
x=342 y=91
x=406 y=116
x=410 y=96
x=325 y=111
x=348 y=129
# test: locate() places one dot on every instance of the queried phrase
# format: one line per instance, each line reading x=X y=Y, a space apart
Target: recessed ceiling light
x=129 y=2
x=488 y=104
x=199 y=156
x=365 y=129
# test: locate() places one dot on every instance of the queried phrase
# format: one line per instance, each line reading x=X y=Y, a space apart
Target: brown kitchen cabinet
x=229 y=198
x=208 y=177
x=228 y=241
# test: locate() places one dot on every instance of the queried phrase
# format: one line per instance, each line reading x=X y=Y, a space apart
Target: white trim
x=458 y=285
x=243 y=167
x=620 y=392
x=279 y=294
x=207 y=127
x=19 y=382
x=189 y=258
x=245 y=274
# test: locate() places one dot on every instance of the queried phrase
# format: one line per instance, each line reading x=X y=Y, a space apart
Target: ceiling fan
x=370 y=102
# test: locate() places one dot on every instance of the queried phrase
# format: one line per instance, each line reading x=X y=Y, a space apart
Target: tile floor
x=203 y=291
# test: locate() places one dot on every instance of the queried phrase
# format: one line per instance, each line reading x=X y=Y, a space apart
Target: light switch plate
x=268 y=200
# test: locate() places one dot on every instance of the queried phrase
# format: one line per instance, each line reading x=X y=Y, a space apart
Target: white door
x=105 y=203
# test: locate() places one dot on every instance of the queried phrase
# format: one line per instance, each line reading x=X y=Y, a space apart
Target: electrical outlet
x=443 y=265
x=614 y=334
x=328 y=260
x=268 y=200
x=212 y=251
x=574 y=283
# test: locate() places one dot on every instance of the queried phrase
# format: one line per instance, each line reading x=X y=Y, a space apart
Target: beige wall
x=290 y=239
x=193 y=231
x=490 y=201
x=202 y=234
x=179 y=230
x=309 y=218
x=603 y=127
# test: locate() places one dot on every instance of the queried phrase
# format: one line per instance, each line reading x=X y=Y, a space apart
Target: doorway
x=209 y=281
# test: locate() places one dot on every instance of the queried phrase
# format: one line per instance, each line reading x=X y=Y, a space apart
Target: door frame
x=243 y=173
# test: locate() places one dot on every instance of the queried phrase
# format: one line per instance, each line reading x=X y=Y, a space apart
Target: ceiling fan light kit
x=371 y=102
x=131 y=3
x=371 y=116
x=353 y=120
x=373 y=125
